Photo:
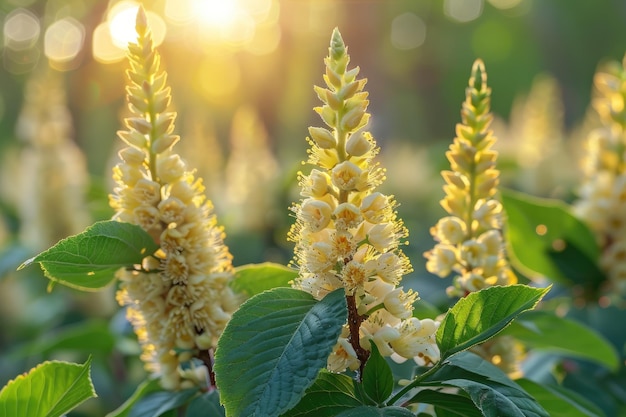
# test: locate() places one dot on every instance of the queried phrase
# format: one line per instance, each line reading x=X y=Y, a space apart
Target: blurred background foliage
x=242 y=73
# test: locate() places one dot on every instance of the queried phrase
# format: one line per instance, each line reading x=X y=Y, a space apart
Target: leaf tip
x=26 y=263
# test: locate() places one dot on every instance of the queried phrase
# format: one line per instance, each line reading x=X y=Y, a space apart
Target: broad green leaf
x=560 y=402
x=370 y=411
x=446 y=404
x=49 y=390
x=277 y=341
x=157 y=403
x=89 y=336
x=544 y=330
x=482 y=314
x=146 y=387
x=329 y=395
x=255 y=278
x=377 y=377
x=206 y=405
x=88 y=260
x=498 y=401
x=544 y=236
x=489 y=388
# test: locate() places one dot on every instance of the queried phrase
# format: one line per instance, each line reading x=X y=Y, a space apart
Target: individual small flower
x=467 y=238
x=602 y=195
x=347 y=233
x=180 y=302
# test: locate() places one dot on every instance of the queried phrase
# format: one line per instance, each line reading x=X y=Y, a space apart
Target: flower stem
x=354 y=324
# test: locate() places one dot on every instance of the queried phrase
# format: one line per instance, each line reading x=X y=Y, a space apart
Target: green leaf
x=255 y=278
x=277 y=341
x=377 y=377
x=49 y=390
x=488 y=387
x=89 y=260
x=482 y=314
x=157 y=403
x=501 y=402
x=560 y=402
x=206 y=405
x=369 y=411
x=447 y=404
x=544 y=330
x=146 y=387
x=544 y=237
x=90 y=336
x=329 y=395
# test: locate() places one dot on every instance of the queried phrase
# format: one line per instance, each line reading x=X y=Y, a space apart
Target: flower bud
x=323 y=138
x=164 y=143
x=170 y=168
x=383 y=237
x=133 y=138
x=375 y=208
x=139 y=124
x=359 y=144
x=133 y=156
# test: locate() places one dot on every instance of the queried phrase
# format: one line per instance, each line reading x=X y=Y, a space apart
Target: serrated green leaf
x=369 y=411
x=157 y=403
x=542 y=232
x=146 y=387
x=329 y=395
x=377 y=377
x=278 y=341
x=544 y=330
x=482 y=314
x=88 y=261
x=255 y=278
x=447 y=404
x=49 y=390
x=206 y=405
x=559 y=402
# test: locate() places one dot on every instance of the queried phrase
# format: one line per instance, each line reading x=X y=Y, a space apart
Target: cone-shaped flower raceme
x=347 y=234
x=470 y=238
x=180 y=301
x=603 y=193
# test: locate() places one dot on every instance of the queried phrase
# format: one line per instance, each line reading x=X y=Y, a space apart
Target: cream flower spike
x=602 y=201
x=470 y=239
x=180 y=301
x=347 y=234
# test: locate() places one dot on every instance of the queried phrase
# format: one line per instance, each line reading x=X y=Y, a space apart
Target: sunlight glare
x=216 y=13
x=63 y=40
x=122 y=19
x=122 y=23
x=21 y=29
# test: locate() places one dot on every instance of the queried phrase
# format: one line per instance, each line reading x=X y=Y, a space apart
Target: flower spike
x=470 y=239
x=179 y=301
x=347 y=233
x=602 y=204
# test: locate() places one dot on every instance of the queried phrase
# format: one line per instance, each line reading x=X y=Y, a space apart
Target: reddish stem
x=354 y=324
